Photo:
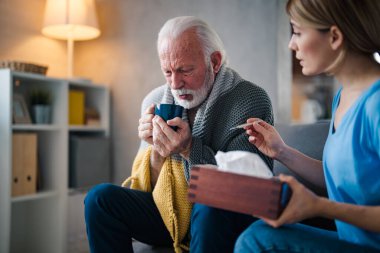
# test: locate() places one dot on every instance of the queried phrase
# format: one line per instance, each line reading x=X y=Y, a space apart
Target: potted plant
x=40 y=101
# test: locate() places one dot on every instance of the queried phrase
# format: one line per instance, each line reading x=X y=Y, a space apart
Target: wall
x=21 y=39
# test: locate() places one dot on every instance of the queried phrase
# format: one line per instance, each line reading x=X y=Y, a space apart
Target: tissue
x=242 y=162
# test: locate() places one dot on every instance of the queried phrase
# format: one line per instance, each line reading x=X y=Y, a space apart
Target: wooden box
x=244 y=194
x=24 y=163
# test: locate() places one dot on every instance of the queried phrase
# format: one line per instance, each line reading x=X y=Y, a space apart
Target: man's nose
x=177 y=81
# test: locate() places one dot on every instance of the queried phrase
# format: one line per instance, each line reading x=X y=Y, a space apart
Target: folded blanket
x=169 y=194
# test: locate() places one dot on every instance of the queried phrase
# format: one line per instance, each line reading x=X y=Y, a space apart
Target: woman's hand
x=303 y=204
x=146 y=126
x=265 y=137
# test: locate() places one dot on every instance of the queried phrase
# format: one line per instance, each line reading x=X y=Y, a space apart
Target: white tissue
x=242 y=162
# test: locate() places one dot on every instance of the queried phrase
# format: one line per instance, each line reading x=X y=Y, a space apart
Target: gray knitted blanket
x=231 y=102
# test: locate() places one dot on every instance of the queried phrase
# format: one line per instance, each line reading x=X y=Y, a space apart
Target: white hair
x=209 y=39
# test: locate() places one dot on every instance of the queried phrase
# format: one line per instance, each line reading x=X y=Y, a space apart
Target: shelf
x=35 y=196
x=84 y=84
x=33 y=76
x=75 y=191
x=30 y=127
x=78 y=128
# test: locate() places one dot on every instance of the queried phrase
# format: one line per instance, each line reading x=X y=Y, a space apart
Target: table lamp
x=70 y=20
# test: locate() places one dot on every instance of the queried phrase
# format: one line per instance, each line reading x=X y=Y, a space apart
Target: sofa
x=307 y=138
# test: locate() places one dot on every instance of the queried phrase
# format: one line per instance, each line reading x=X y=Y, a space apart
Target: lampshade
x=70 y=20
x=75 y=19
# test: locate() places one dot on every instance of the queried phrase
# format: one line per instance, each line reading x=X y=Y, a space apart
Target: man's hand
x=166 y=141
x=145 y=125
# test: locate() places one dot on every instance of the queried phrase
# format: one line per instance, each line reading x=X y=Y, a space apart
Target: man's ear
x=336 y=37
x=216 y=61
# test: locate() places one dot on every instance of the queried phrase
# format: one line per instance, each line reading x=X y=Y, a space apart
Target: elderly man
x=155 y=209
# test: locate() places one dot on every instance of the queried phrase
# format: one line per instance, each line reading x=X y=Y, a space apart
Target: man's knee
x=203 y=215
x=98 y=196
x=206 y=220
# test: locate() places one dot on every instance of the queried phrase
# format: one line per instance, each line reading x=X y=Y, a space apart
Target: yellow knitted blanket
x=169 y=194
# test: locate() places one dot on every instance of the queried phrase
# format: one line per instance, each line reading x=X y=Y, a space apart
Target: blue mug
x=168 y=111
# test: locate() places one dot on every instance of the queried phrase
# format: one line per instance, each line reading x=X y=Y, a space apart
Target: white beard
x=199 y=95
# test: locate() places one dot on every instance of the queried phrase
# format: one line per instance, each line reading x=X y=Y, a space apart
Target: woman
x=337 y=37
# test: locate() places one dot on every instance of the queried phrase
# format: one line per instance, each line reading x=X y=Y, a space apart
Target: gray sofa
x=309 y=139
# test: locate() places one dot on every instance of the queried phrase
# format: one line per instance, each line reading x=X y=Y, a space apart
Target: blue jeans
x=114 y=215
x=296 y=238
x=214 y=230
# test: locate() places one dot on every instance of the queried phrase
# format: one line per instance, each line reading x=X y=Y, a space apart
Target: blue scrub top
x=351 y=161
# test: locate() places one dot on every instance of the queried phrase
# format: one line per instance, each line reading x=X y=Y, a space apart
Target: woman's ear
x=336 y=37
x=216 y=61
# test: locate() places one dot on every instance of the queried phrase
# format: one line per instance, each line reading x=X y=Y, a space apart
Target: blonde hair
x=358 y=20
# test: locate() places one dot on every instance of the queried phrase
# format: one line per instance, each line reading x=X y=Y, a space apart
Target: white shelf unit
x=37 y=222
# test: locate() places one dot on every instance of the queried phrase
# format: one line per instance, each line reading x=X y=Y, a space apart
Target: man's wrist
x=155 y=156
x=186 y=152
x=156 y=162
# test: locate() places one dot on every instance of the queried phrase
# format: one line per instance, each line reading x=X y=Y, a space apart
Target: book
x=238 y=193
x=76 y=107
